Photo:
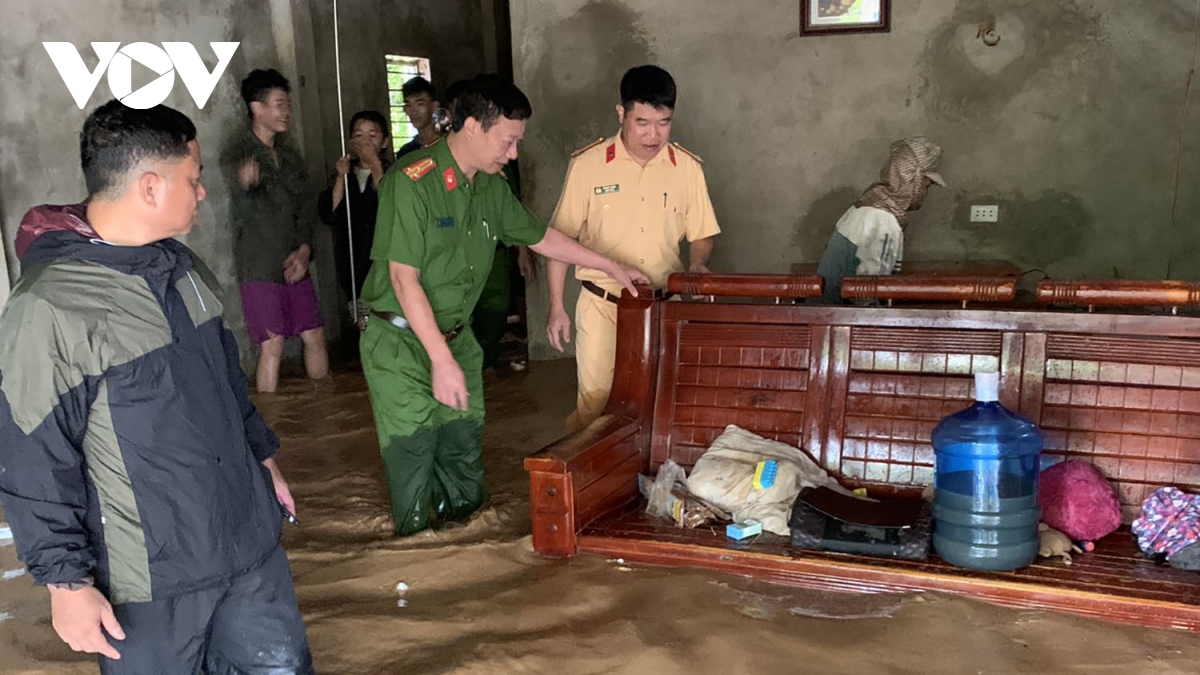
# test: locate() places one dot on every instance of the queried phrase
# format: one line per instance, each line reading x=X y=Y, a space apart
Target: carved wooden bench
x=860 y=389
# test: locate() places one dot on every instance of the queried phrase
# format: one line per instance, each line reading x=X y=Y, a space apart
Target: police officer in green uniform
x=441 y=213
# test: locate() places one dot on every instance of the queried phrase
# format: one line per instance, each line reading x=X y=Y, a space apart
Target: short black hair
x=487 y=97
x=371 y=116
x=452 y=92
x=418 y=85
x=650 y=85
x=259 y=84
x=116 y=138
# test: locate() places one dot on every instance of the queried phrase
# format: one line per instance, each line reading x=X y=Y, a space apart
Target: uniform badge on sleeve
x=419 y=168
x=607 y=189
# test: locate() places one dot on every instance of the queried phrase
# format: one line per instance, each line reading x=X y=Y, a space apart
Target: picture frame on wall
x=829 y=17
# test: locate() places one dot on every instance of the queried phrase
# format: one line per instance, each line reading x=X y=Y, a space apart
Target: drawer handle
x=553 y=527
x=551 y=491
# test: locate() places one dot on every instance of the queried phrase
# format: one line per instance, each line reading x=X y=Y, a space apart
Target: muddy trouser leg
x=431 y=453
x=490 y=320
x=458 y=462
x=400 y=385
x=458 y=487
x=248 y=626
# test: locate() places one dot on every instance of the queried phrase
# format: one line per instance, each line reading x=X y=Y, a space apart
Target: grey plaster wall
x=39 y=122
x=447 y=32
x=1073 y=123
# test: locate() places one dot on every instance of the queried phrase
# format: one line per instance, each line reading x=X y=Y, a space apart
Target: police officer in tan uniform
x=633 y=197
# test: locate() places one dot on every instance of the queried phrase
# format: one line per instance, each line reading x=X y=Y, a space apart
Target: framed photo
x=821 y=17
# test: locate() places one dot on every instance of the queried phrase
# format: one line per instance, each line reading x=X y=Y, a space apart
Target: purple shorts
x=279 y=309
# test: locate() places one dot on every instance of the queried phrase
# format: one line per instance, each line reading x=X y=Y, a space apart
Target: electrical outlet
x=985 y=214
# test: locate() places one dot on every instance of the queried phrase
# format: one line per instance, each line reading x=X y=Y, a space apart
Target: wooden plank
x=582 y=447
x=1012 y=363
x=835 y=409
x=664 y=397
x=857 y=577
x=1116 y=570
x=1000 y=320
x=615 y=488
x=814 y=438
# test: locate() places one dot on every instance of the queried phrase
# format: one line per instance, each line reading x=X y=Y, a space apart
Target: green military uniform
x=433 y=219
x=490 y=321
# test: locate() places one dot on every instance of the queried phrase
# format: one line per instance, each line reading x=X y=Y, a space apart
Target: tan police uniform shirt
x=633 y=214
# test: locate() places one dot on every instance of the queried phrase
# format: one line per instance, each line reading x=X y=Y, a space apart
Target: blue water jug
x=985 y=504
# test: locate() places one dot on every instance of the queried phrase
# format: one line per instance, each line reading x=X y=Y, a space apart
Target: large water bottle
x=985 y=506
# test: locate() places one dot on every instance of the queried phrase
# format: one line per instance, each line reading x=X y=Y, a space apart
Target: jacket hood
x=61 y=232
x=52 y=218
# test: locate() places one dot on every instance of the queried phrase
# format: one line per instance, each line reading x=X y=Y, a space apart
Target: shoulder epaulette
x=419 y=168
x=687 y=152
x=587 y=147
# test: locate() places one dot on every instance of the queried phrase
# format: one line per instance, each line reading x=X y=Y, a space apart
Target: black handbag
x=825 y=520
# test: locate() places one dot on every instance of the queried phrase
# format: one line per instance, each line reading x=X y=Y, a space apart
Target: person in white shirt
x=869 y=237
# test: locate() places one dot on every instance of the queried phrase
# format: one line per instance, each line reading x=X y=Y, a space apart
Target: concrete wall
x=447 y=32
x=4 y=287
x=39 y=122
x=1072 y=123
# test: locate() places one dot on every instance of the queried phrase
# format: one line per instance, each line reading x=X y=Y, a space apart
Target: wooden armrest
x=1119 y=293
x=747 y=285
x=579 y=477
x=931 y=288
x=575 y=451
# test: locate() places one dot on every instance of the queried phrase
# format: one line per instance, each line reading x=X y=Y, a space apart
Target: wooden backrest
x=1118 y=293
x=930 y=289
x=861 y=389
x=771 y=286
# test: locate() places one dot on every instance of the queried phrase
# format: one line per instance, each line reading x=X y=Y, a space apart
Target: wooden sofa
x=860 y=388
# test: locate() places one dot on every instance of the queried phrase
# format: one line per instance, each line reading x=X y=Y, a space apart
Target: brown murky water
x=480 y=601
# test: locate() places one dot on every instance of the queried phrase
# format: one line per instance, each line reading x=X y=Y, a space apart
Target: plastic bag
x=667 y=497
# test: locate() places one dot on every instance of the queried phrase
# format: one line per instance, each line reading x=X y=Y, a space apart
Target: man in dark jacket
x=138 y=477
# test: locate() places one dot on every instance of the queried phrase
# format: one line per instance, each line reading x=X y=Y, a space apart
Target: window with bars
x=401 y=69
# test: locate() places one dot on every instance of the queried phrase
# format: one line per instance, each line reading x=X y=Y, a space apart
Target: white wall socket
x=985 y=214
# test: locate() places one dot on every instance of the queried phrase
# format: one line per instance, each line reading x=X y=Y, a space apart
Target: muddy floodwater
x=480 y=601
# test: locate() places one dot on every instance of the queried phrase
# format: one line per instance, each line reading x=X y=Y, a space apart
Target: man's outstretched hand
x=628 y=276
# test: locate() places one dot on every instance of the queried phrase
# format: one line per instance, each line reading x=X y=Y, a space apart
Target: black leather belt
x=657 y=295
x=403 y=324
